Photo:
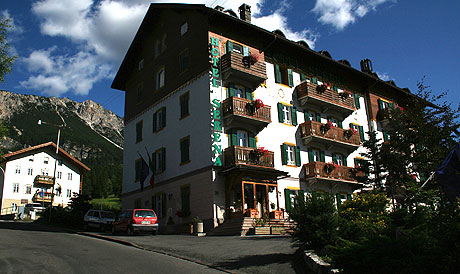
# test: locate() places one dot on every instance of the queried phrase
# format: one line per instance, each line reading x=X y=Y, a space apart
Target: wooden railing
x=242 y=107
x=233 y=60
x=316 y=169
x=43 y=180
x=236 y=155
x=308 y=89
x=46 y=197
x=313 y=128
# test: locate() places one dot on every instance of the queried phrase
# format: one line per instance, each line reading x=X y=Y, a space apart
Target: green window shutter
x=297 y=156
x=339 y=201
x=349 y=197
x=154 y=122
x=154 y=203
x=245 y=51
x=356 y=162
x=357 y=104
x=306 y=116
x=229 y=46
x=294 y=115
x=284 y=154
x=314 y=80
x=361 y=133
x=163 y=204
x=334 y=88
x=318 y=117
x=339 y=122
x=311 y=157
x=385 y=136
x=287 y=199
x=290 y=78
x=302 y=77
x=249 y=94
x=232 y=138
x=380 y=103
x=252 y=140
x=391 y=105
x=345 y=161
x=322 y=156
x=232 y=91
x=280 y=113
x=334 y=158
x=277 y=74
x=163 y=117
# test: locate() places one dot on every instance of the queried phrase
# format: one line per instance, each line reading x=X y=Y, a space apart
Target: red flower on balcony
x=327 y=126
x=250 y=60
x=344 y=94
x=348 y=133
x=258 y=103
x=329 y=167
x=260 y=152
x=321 y=88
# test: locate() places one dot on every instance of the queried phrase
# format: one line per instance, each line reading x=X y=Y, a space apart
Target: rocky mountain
x=92 y=134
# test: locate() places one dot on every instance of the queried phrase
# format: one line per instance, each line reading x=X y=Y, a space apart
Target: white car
x=99 y=219
x=35 y=207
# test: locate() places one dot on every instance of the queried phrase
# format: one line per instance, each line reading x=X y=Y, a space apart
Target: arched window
x=160 y=78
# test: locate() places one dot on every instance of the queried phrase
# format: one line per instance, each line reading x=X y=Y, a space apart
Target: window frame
x=160 y=78
x=184 y=154
x=15 y=187
x=184 y=56
x=139 y=131
x=183 y=28
x=184 y=105
x=159 y=119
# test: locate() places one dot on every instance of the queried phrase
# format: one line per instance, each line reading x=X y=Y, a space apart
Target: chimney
x=366 y=66
x=219 y=8
x=245 y=13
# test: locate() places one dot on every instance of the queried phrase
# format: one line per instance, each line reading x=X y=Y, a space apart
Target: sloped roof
x=49 y=145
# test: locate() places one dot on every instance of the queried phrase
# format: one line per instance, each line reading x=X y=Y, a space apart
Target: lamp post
x=40 y=122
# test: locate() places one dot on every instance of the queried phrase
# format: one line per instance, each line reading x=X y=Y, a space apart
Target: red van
x=136 y=220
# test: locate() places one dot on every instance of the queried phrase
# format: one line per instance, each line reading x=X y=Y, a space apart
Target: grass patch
x=110 y=203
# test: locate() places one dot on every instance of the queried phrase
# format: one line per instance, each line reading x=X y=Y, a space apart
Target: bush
x=316 y=219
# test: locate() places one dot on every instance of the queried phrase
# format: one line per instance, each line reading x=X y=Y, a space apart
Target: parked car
x=99 y=219
x=136 y=220
x=35 y=207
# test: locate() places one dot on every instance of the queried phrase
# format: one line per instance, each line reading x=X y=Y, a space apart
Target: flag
x=152 y=169
x=448 y=174
x=144 y=172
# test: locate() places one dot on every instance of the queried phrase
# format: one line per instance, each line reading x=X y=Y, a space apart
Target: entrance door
x=248 y=196
x=261 y=199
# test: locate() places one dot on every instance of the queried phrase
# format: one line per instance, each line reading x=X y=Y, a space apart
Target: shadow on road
x=34 y=226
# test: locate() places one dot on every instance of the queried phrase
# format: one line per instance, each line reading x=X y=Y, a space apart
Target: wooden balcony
x=46 y=197
x=236 y=155
x=315 y=170
x=313 y=134
x=233 y=68
x=329 y=100
x=44 y=180
x=238 y=112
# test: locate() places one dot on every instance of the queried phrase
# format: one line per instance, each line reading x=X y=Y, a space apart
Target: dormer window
x=183 y=28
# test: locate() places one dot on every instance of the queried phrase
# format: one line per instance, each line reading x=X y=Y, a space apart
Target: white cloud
x=384 y=76
x=341 y=13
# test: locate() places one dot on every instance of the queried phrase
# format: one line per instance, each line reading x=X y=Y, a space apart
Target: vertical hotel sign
x=216 y=104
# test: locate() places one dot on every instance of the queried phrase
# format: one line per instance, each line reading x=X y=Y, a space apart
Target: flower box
x=276 y=214
x=253 y=213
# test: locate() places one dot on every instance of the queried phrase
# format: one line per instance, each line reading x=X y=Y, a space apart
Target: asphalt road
x=33 y=248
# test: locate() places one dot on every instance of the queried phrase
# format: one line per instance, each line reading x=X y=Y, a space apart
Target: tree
x=6 y=61
x=3 y=132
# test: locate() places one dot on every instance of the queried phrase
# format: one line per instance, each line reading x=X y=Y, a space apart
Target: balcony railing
x=232 y=65
x=328 y=99
x=45 y=198
x=43 y=180
x=235 y=109
x=317 y=170
x=236 y=155
x=314 y=132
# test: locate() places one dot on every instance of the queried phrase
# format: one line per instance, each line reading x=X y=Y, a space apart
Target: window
x=59 y=162
x=14 y=207
x=140 y=92
x=341 y=197
x=159 y=158
x=69 y=193
x=185 y=150
x=44 y=172
x=290 y=155
x=287 y=114
x=69 y=176
x=139 y=126
x=237 y=48
x=384 y=104
x=183 y=61
x=159 y=119
x=185 y=200
x=160 y=78
x=183 y=28
x=239 y=91
x=157 y=48
x=30 y=171
x=283 y=75
x=137 y=170
x=59 y=175
x=184 y=105
x=18 y=170
x=360 y=130
x=316 y=155
x=336 y=122
x=339 y=159
x=159 y=204
x=15 y=187
x=46 y=160
x=241 y=138
x=140 y=66
x=28 y=189
x=58 y=191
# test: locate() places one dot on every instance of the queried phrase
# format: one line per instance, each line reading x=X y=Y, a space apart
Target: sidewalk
x=233 y=254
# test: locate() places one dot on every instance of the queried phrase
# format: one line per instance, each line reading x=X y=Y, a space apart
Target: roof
x=215 y=15
x=48 y=145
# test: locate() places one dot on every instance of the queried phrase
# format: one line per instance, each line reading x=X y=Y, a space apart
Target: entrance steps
x=245 y=226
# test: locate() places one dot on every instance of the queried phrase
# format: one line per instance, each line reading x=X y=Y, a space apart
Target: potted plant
x=348 y=133
x=197 y=225
x=250 y=60
x=321 y=88
x=329 y=167
x=327 y=126
x=344 y=94
x=253 y=106
x=253 y=213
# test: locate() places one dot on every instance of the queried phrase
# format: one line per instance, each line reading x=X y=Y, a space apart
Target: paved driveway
x=251 y=254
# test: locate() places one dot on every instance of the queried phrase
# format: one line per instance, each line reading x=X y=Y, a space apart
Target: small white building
x=27 y=176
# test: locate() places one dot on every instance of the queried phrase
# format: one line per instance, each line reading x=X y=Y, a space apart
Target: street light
x=40 y=122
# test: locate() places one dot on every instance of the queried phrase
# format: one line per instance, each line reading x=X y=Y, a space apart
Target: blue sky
x=73 y=48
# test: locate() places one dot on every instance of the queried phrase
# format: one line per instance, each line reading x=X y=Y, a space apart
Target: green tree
x=3 y=132
x=6 y=61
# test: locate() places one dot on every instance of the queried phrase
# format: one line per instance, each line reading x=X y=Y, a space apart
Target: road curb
x=154 y=250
